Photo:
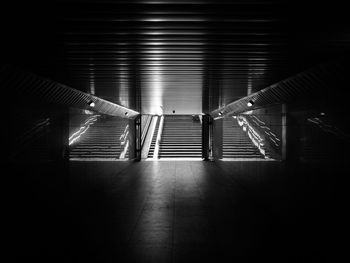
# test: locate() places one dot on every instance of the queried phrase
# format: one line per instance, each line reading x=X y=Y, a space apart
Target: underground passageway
x=175 y=130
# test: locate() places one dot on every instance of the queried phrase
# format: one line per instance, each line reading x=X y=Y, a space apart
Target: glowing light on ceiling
x=249 y=86
x=155 y=51
x=156 y=85
x=250 y=103
x=91 y=103
x=154 y=43
x=123 y=85
x=154 y=20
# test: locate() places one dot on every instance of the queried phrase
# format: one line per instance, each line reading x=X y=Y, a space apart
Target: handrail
x=149 y=137
x=254 y=136
x=124 y=141
x=260 y=125
x=145 y=129
x=76 y=135
x=262 y=134
x=159 y=137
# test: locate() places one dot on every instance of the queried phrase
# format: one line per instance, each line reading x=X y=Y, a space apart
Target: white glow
x=179 y=19
x=257 y=119
x=249 y=104
x=154 y=20
x=155 y=51
x=155 y=58
x=92 y=104
x=123 y=86
x=250 y=86
x=153 y=63
x=92 y=80
x=92 y=87
x=154 y=43
x=154 y=33
x=156 y=83
x=124 y=142
x=246 y=159
x=174 y=159
x=254 y=136
x=88 y=112
x=76 y=136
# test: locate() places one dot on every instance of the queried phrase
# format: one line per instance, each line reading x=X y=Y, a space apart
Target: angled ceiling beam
x=312 y=83
x=40 y=89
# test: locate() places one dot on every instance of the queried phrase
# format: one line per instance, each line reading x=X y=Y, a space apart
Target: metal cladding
x=38 y=89
x=186 y=56
x=310 y=84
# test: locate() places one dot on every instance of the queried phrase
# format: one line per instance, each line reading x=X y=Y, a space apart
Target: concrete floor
x=177 y=211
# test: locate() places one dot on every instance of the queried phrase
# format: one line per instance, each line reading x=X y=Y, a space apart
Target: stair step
x=181 y=138
x=236 y=143
x=101 y=140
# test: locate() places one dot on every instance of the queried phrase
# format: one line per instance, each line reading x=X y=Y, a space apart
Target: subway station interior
x=175 y=131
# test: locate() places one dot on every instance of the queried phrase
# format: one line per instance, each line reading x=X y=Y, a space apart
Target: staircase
x=236 y=143
x=101 y=140
x=181 y=137
x=154 y=138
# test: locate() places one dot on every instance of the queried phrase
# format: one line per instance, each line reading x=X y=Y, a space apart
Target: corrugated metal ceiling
x=187 y=56
x=310 y=87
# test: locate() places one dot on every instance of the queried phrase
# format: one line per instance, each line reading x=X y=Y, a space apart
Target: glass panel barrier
x=98 y=136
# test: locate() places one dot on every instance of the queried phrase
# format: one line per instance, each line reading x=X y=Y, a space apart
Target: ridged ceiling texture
x=38 y=89
x=160 y=56
x=178 y=55
x=313 y=84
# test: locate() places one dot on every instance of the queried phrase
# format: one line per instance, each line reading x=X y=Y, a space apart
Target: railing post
x=137 y=138
x=207 y=137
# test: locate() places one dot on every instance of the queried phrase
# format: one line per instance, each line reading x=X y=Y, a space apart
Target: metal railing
x=261 y=135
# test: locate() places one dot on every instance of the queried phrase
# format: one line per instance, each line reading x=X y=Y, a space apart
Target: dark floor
x=178 y=211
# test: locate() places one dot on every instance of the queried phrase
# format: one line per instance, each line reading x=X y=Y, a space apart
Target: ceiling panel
x=187 y=56
x=169 y=50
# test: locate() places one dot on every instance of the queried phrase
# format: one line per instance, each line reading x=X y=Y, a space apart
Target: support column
x=135 y=133
x=217 y=138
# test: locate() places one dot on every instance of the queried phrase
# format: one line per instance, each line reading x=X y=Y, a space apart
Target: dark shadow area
x=178 y=212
